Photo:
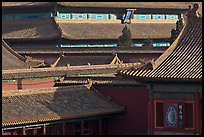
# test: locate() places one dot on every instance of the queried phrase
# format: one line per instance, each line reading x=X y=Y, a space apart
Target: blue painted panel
x=9 y=17
x=26 y=16
x=128 y=14
x=64 y=16
x=79 y=16
x=138 y=45
x=172 y=17
x=32 y=16
x=89 y=45
x=79 y=46
x=98 y=16
x=112 y=17
x=158 y=17
x=161 y=44
x=91 y=16
x=142 y=17
x=123 y=17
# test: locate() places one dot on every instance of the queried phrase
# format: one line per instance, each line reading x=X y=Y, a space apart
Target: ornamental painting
x=171 y=115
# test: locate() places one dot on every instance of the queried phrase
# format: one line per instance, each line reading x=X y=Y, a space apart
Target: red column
x=24 y=132
x=44 y=130
x=82 y=127
x=34 y=131
x=100 y=129
x=73 y=130
x=63 y=128
x=19 y=84
x=197 y=113
x=150 y=116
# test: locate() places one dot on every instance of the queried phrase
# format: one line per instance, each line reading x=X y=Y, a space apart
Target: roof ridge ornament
x=193 y=16
x=90 y=83
x=148 y=65
x=58 y=59
x=128 y=16
x=116 y=60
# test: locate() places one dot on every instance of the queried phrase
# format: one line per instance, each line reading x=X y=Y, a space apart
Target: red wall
x=43 y=83
x=9 y=85
x=135 y=117
x=27 y=84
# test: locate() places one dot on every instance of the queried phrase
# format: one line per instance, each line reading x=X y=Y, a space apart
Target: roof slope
x=78 y=60
x=182 y=61
x=36 y=49
x=30 y=30
x=56 y=103
x=26 y=4
x=68 y=70
x=59 y=71
x=106 y=30
x=13 y=60
x=170 y=5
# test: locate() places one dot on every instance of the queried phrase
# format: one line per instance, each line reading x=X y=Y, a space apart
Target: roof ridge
x=192 y=18
x=182 y=60
x=166 y=53
x=33 y=91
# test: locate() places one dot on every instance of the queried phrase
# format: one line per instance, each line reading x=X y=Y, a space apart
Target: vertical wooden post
x=73 y=129
x=82 y=127
x=24 y=132
x=148 y=117
x=63 y=128
x=150 y=111
x=100 y=128
x=44 y=129
x=197 y=113
x=19 y=84
x=91 y=122
x=34 y=131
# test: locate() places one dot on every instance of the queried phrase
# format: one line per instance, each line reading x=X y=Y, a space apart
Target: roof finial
x=90 y=83
x=193 y=16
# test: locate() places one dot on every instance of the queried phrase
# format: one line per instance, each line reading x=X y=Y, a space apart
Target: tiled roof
x=26 y=4
x=13 y=60
x=182 y=61
x=98 y=80
x=78 y=60
x=69 y=70
x=94 y=59
x=82 y=31
x=89 y=50
x=170 y=5
x=43 y=29
x=58 y=71
x=56 y=103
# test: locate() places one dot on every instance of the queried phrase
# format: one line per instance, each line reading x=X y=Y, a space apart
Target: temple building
x=174 y=82
x=101 y=68
x=77 y=27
